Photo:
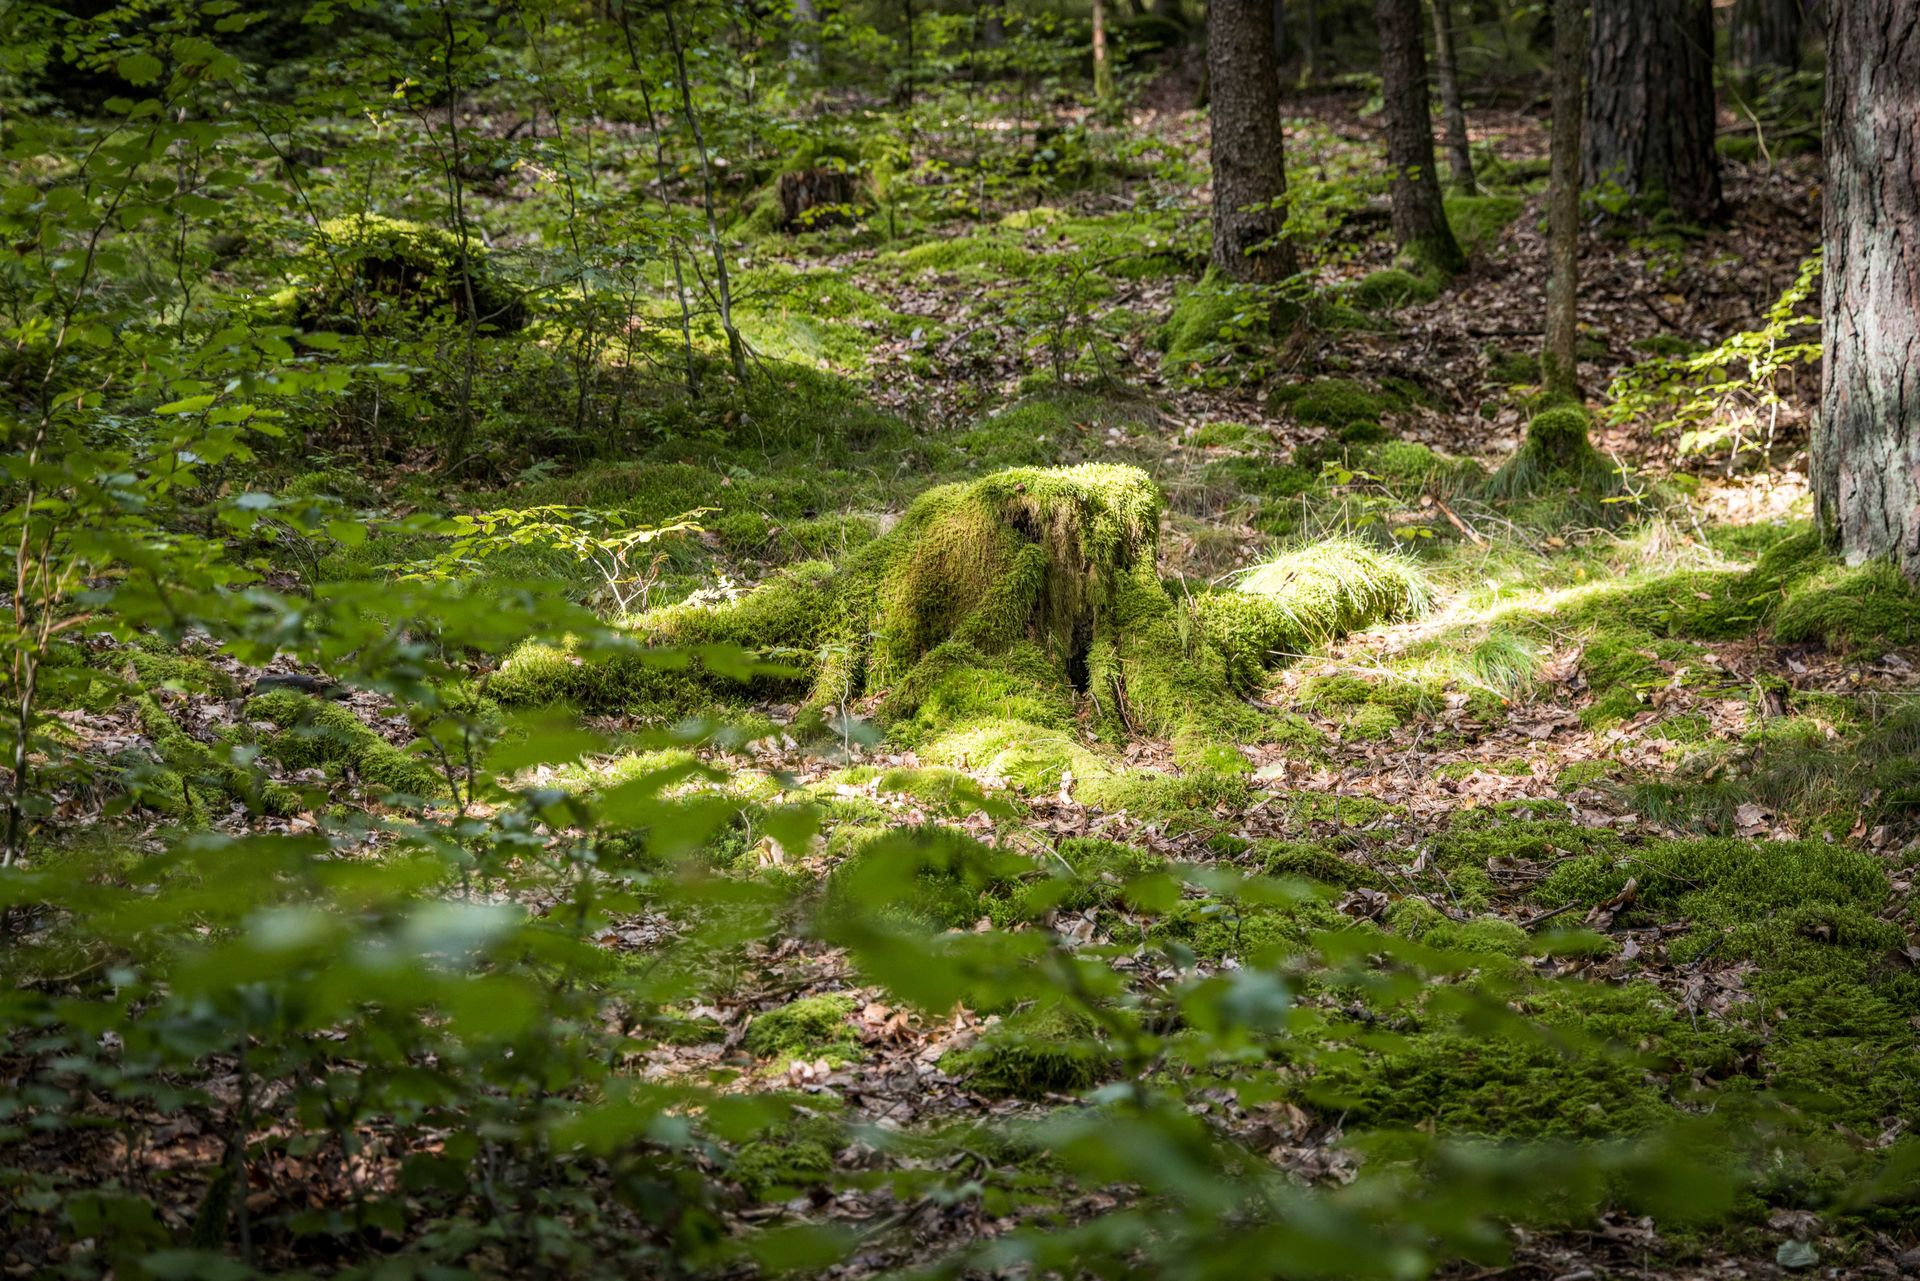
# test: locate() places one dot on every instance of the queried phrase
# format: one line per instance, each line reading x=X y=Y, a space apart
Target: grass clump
x=1307 y=597
x=813 y=1027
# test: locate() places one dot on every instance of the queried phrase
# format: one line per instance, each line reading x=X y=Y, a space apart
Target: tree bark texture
x=1558 y=360
x=1649 y=123
x=1243 y=117
x=1102 y=69
x=1766 y=33
x=1419 y=216
x=1867 y=444
x=1446 y=68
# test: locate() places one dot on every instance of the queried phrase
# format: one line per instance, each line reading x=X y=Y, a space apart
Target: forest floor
x=1662 y=746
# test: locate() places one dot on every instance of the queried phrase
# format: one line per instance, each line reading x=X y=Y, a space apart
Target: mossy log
x=367 y=271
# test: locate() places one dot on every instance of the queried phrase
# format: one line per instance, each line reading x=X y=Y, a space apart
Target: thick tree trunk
x=1649 y=123
x=1419 y=217
x=1249 y=169
x=1766 y=34
x=1446 y=68
x=1867 y=446
x=1558 y=359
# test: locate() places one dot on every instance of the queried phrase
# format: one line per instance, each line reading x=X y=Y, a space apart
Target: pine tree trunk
x=1649 y=123
x=1766 y=33
x=1558 y=359
x=1446 y=67
x=1419 y=217
x=1249 y=168
x=1867 y=445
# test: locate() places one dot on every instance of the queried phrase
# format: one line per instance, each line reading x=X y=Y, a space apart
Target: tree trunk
x=1866 y=456
x=1649 y=123
x=1279 y=33
x=993 y=25
x=1766 y=33
x=1309 y=42
x=1446 y=66
x=1558 y=360
x=1419 y=217
x=803 y=37
x=1102 y=68
x=1249 y=169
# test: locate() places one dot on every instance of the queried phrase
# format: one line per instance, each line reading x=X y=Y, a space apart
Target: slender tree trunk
x=1446 y=67
x=1419 y=216
x=736 y=346
x=1649 y=124
x=993 y=25
x=803 y=39
x=1558 y=361
x=1102 y=68
x=1866 y=452
x=1766 y=34
x=1249 y=168
x=1309 y=42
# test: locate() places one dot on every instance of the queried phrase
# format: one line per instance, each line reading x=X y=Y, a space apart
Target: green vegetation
x=698 y=641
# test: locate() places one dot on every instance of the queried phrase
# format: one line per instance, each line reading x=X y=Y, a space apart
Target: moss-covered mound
x=1015 y=595
x=1556 y=455
x=369 y=272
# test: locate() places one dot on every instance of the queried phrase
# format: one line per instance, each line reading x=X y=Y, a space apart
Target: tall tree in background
x=1558 y=359
x=1867 y=445
x=1102 y=66
x=1419 y=216
x=1766 y=34
x=1446 y=69
x=1249 y=167
x=1649 y=124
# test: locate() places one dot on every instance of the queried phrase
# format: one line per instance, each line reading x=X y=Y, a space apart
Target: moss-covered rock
x=1394 y=287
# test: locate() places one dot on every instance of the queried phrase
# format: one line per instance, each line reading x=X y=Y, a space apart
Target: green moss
x=1305 y=598
x=980 y=257
x=1556 y=455
x=1407 y=467
x=1316 y=863
x=1477 y=221
x=1035 y=1052
x=316 y=733
x=1226 y=435
x=1488 y=935
x=195 y=779
x=813 y=1027
x=368 y=270
x=1866 y=608
x=1596 y=1062
x=1515 y=368
x=1393 y=287
x=1337 y=402
x=1212 y=319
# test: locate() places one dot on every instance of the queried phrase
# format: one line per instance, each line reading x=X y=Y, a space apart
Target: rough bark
x=1446 y=69
x=1649 y=124
x=1419 y=216
x=1249 y=168
x=1558 y=361
x=1867 y=444
x=1766 y=34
